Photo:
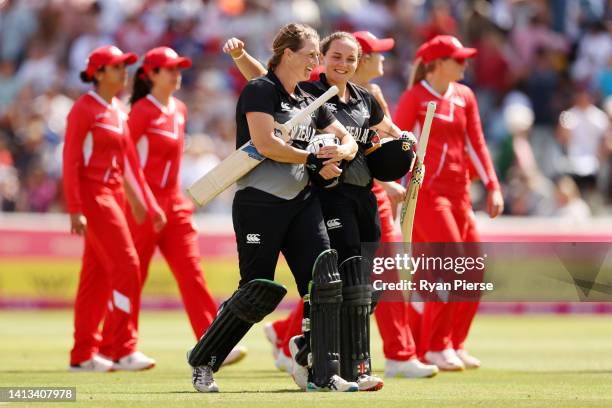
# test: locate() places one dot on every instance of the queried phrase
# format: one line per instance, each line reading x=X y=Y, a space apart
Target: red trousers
x=178 y=243
x=110 y=278
x=392 y=317
x=442 y=218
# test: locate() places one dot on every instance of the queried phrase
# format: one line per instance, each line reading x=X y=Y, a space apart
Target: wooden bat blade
x=416 y=179
x=409 y=205
x=246 y=158
x=225 y=174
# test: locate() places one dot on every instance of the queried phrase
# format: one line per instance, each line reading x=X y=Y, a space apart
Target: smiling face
x=341 y=60
x=304 y=60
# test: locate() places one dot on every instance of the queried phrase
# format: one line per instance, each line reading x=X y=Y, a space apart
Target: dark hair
x=142 y=85
x=340 y=35
x=290 y=36
x=90 y=79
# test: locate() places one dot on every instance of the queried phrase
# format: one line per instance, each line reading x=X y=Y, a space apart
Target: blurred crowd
x=543 y=77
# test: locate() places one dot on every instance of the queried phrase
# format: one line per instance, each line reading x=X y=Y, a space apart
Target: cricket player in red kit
x=98 y=159
x=444 y=211
x=157 y=127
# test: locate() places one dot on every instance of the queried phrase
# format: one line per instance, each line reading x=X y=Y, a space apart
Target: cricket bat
x=246 y=158
x=418 y=173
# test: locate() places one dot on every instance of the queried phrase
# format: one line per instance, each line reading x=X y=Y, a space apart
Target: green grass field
x=528 y=361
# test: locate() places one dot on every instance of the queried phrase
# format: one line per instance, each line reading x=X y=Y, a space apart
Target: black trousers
x=265 y=226
x=351 y=217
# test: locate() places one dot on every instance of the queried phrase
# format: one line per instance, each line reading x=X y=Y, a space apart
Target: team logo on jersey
x=253 y=239
x=333 y=223
x=285 y=107
x=180 y=118
x=331 y=106
x=405 y=146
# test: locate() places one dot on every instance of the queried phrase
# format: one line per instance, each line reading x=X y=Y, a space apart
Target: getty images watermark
x=491 y=271
x=405 y=263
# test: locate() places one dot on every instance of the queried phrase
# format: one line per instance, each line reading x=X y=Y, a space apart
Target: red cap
x=369 y=42
x=107 y=55
x=314 y=75
x=164 y=57
x=444 y=46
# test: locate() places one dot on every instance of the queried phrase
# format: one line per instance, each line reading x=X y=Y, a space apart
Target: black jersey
x=358 y=114
x=266 y=94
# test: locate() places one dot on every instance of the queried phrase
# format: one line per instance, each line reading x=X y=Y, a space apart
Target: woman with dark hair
x=276 y=211
x=157 y=126
x=444 y=210
x=349 y=208
x=391 y=316
x=99 y=161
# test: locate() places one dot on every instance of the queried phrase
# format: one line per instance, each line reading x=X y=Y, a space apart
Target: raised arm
x=249 y=66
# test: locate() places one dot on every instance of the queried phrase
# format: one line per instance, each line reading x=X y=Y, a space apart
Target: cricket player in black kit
x=275 y=211
x=349 y=207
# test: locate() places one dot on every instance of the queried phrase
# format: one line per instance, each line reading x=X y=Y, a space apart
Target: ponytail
x=419 y=71
x=88 y=79
x=142 y=85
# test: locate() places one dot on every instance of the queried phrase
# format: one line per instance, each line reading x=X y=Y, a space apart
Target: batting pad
x=247 y=306
x=325 y=301
x=355 y=318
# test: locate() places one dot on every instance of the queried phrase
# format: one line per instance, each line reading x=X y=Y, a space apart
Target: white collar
x=447 y=94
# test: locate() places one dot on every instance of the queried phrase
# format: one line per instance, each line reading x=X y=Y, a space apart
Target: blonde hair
x=290 y=36
x=419 y=71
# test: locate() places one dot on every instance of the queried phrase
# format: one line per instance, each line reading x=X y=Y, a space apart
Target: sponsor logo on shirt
x=331 y=106
x=253 y=239
x=333 y=223
x=285 y=107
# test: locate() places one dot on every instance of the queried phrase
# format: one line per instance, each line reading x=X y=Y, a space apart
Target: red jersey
x=97 y=149
x=456 y=136
x=158 y=133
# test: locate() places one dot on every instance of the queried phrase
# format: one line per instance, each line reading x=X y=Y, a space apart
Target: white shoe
x=298 y=371
x=469 y=361
x=446 y=360
x=335 y=384
x=367 y=382
x=96 y=364
x=272 y=338
x=135 y=361
x=412 y=368
x=235 y=356
x=202 y=379
x=283 y=362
